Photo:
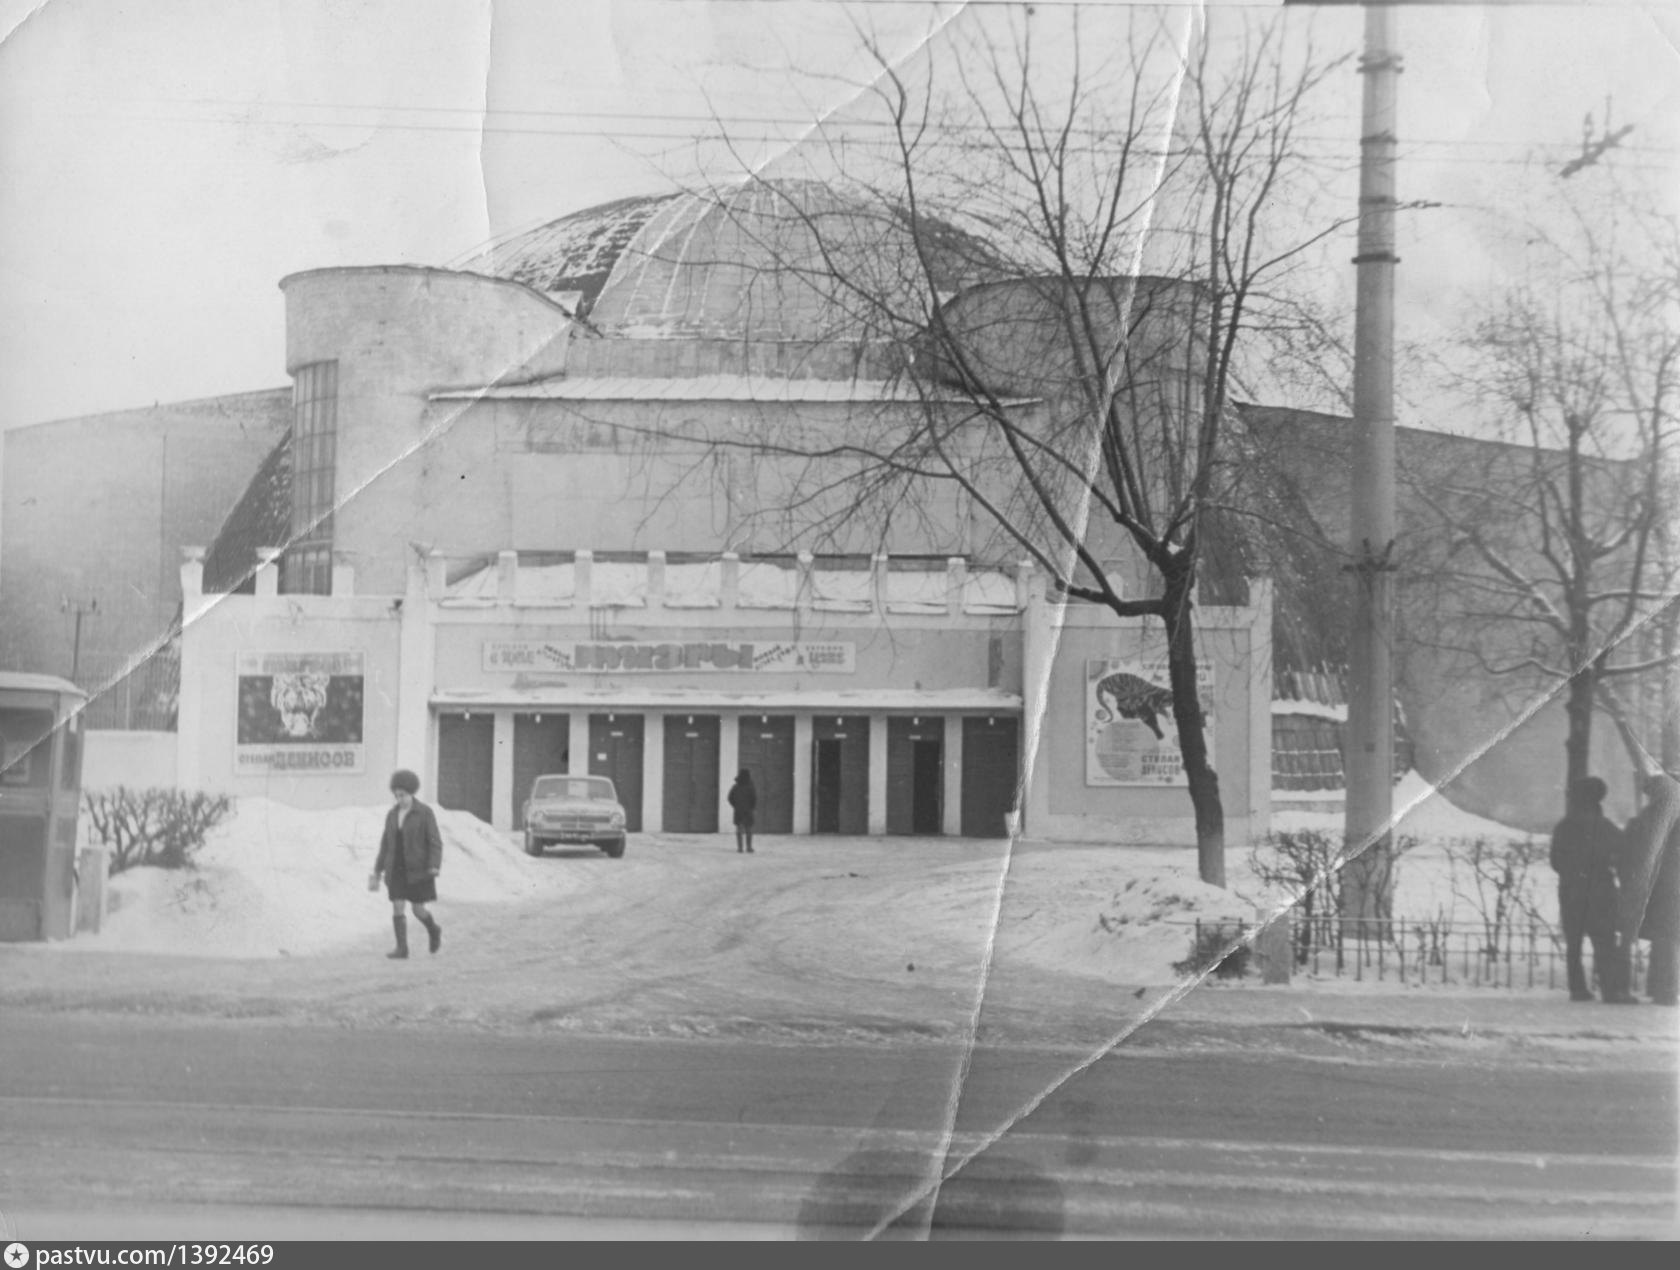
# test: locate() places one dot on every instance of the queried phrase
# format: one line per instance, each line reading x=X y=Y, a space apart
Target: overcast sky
x=163 y=165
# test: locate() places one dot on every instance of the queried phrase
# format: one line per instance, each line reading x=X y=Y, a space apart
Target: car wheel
x=532 y=846
x=614 y=849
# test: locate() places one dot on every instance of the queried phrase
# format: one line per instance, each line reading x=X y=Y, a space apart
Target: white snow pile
x=276 y=881
x=1427 y=882
x=1422 y=812
x=1138 y=931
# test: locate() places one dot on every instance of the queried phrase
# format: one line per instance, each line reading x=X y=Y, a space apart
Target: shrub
x=159 y=827
x=1220 y=946
x=1495 y=877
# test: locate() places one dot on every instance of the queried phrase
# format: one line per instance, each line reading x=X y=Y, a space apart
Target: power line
x=481 y=114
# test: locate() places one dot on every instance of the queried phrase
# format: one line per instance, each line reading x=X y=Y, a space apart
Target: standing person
x=743 y=798
x=1586 y=847
x=1653 y=852
x=410 y=855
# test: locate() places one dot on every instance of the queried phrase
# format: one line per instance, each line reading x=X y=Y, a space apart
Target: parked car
x=574 y=809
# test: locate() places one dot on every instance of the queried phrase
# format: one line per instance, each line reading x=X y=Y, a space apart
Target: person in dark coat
x=743 y=799
x=410 y=856
x=1661 y=922
x=1586 y=848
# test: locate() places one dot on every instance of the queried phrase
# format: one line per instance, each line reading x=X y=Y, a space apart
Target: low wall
x=140 y=759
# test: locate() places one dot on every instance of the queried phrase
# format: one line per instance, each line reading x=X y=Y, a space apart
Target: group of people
x=1617 y=886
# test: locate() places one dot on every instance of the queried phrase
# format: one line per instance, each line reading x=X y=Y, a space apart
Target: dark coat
x=419 y=841
x=744 y=799
x=1586 y=851
x=1662 y=912
x=1650 y=875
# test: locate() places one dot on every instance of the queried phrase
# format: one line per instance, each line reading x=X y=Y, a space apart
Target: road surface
x=134 y=1128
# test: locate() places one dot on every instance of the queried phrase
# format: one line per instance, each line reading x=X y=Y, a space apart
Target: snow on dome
x=751 y=261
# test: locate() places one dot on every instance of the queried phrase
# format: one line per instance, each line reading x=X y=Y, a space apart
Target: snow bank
x=1424 y=883
x=1421 y=811
x=277 y=880
x=1136 y=933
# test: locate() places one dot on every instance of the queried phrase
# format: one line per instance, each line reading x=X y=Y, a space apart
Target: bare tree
x=1058 y=260
x=1553 y=547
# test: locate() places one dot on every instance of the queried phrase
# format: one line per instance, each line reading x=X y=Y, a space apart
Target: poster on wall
x=299 y=713
x=1130 y=736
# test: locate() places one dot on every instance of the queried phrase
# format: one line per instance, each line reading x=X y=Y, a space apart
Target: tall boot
x=400 y=925
x=434 y=932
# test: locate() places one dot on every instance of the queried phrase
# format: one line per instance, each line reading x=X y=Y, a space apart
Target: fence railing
x=143 y=699
x=1529 y=954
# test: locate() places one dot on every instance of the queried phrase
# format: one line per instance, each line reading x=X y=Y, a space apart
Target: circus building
x=534 y=515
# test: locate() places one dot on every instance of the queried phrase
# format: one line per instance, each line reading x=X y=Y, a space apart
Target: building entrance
x=691 y=773
x=540 y=746
x=840 y=774
x=990 y=775
x=915 y=775
x=766 y=750
x=615 y=751
x=466 y=749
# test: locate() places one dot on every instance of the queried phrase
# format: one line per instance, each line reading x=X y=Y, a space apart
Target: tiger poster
x=1130 y=735
x=299 y=713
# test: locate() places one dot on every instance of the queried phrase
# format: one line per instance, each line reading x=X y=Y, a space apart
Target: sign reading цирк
x=653 y=657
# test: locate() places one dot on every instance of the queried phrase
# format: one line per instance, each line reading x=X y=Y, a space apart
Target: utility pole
x=66 y=605
x=1366 y=885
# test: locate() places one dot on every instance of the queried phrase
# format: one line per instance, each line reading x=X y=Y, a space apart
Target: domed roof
x=764 y=260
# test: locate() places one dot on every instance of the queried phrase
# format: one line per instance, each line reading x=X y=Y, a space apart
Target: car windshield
x=596 y=787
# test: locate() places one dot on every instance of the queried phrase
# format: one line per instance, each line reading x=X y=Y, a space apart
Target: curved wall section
x=399 y=333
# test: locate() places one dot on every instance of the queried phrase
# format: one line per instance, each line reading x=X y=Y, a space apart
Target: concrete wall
x=137 y=759
x=617 y=475
x=397 y=333
x=221 y=627
x=1060 y=805
x=1463 y=721
x=99 y=508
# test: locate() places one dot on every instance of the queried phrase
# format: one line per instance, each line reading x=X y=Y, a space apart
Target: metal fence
x=143 y=699
x=1528 y=954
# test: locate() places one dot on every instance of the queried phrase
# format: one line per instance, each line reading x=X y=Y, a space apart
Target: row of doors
x=839 y=769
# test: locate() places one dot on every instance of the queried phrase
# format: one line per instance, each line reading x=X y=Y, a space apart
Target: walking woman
x=744 y=799
x=410 y=854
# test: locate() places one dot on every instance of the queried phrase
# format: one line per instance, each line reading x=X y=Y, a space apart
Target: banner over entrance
x=657 y=657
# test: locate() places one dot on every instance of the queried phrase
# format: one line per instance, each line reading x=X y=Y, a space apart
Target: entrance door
x=691 y=773
x=615 y=751
x=540 y=746
x=840 y=774
x=766 y=748
x=990 y=775
x=466 y=748
x=915 y=774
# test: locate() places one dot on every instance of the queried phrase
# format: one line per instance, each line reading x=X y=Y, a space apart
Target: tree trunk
x=1577 y=743
x=1192 y=736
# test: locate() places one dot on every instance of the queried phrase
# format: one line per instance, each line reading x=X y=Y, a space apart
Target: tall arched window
x=308 y=560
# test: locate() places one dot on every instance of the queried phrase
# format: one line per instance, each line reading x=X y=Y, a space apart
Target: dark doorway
x=691 y=773
x=766 y=750
x=990 y=775
x=540 y=745
x=915 y=774
x=615 y=751
x=466 y=748
x=840 y=774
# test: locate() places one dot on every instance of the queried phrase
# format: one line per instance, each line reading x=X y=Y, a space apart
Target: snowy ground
x=883 y=934
x=277 y=881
